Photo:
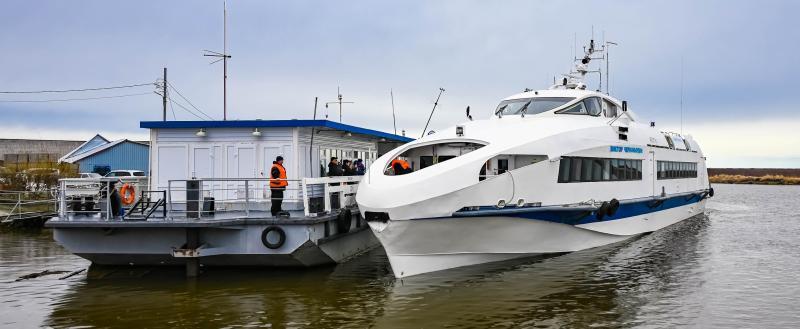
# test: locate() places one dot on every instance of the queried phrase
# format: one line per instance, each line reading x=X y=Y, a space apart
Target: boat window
x=578 y=108
x=609 y=109
x=583 y=169
x=674 y=169
x=428 y=156
x=533 y=105
x=592 y=105
x=138 y=174
x=669 y=142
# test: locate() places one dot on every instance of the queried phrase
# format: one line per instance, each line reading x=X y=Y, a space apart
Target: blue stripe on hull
x=583 y=216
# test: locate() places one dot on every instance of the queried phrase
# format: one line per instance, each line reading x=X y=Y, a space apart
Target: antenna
x=681 y=95
x=339 y=101
x=224 y=58
x=394 y=120
x=441 y=90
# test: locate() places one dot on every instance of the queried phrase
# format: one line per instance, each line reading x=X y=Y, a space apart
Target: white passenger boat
x=552 y=171
x=208 y=200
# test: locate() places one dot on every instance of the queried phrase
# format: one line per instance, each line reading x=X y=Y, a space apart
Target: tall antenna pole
x=339 y=101
x=225 y=61
x=441 y=90
x=164 y=95
x=394 y=119
x=224 y=58
x=681 y=95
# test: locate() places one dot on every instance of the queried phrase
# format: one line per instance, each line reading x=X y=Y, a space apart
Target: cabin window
x=609 y=109
x=593 y=106
x=584 y=169
x=676 y=170
x=578 y=108
x=430 y=155
x=669 y=142
x=533 y=105
x=590 y=106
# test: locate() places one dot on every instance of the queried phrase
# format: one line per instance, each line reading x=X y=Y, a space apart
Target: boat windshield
x=534 y=105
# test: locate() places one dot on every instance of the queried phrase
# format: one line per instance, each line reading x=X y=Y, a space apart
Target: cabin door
x=653 y=165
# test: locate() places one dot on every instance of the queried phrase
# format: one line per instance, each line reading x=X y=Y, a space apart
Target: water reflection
x=609 y=286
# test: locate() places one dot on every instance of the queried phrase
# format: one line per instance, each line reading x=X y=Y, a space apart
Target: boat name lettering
x=626 y=149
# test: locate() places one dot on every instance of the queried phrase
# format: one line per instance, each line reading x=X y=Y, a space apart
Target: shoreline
x=754 y=180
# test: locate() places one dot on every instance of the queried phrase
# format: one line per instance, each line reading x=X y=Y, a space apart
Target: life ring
x=281 y=237
x=613 y=206
x=128 y=194
x=343 y=221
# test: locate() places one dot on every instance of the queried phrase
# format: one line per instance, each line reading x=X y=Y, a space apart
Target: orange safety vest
x=281 y=180
x=402 y=163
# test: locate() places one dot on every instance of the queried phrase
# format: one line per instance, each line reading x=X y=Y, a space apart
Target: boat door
x=653 y=165
x=241 y=164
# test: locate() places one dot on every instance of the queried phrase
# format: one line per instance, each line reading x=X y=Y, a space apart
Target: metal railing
x=192 y=198
x=16 y=205
x=91 y=197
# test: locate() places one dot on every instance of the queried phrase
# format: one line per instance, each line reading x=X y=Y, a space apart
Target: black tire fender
x=602 y=210
x=343 y=221
x=281 y=237
x=613 y=206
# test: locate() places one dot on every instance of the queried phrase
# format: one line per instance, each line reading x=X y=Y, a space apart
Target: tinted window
x=579 y=169
x=592 y=106
x=531 y=105
x=609 y=109
x=575 y=109
x=673 y=169
x=138 y=174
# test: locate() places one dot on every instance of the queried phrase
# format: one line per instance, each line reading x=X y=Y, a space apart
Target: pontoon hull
x=426 y=245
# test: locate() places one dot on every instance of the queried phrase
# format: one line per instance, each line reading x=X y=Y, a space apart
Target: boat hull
x=426 y=245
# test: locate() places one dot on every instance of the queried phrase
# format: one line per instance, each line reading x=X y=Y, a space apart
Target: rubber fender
x=343 y=221
x=281 y=237
x=613 y=206
x=602 y=211
x=711 y=192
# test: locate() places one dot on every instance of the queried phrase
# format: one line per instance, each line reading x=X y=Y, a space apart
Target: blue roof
x=270 y=124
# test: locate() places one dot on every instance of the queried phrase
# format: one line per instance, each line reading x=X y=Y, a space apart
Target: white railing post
x=247 y=198
x=304 y=188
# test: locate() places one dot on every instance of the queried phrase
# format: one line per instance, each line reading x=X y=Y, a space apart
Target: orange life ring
x=128 y=194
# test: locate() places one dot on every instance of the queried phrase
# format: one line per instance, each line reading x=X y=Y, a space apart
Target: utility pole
x=339 y=100
x=224 y=58
x=164 y=94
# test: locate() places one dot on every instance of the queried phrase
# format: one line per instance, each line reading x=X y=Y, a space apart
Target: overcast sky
x=738 y=57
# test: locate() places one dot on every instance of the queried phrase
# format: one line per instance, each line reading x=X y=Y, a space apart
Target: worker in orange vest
x=277 y=184
x=400 y=166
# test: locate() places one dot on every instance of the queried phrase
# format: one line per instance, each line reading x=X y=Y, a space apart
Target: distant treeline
x=767 y=176
x=755 y=172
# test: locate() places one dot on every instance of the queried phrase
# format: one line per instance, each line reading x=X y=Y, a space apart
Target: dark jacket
x=348 y=171
x=334 y=170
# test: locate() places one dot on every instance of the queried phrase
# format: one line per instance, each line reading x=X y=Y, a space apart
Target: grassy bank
x=765 y=180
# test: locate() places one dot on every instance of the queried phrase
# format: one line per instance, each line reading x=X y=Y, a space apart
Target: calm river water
x=737 y=266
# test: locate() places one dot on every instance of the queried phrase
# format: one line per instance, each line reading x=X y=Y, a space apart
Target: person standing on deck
x=334 y=169
x=277 y=184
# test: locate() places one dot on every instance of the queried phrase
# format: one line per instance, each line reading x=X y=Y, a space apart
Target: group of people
x=346 y=168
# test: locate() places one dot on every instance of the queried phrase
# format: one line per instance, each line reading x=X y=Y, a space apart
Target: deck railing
x=192 y=198
x=91 y=197
x=206 y=197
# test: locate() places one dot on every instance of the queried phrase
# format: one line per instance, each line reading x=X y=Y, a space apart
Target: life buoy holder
x=281 y=237
x=128 y=193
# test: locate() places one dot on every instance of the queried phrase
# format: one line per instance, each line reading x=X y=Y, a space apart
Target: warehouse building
x=101 y=155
